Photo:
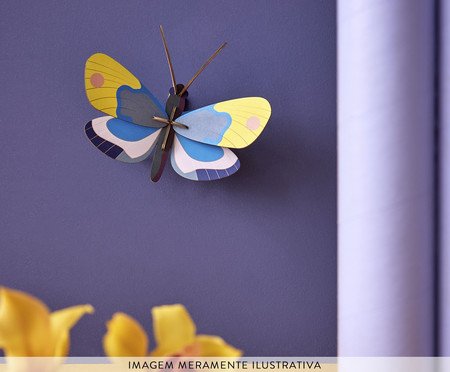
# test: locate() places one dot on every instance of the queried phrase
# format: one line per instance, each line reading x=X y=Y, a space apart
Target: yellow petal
x=62 y=322
x=173 y=328
x=213 y=346
x=24 y=325
x=125 y=337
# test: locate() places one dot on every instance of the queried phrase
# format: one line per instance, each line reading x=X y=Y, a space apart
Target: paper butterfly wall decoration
x=139 y=125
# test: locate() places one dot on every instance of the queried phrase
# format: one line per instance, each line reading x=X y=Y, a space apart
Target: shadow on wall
x=267 y=169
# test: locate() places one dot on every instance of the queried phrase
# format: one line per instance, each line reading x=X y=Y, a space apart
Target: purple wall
x=253 y=257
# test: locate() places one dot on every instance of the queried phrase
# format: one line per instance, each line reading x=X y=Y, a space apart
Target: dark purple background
x=253 y=257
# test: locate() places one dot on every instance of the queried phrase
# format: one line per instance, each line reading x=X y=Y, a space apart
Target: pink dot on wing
x=253 y=123
x=97 y=80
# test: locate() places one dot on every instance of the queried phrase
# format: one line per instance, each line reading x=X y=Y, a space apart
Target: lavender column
x=445 y=180
x=385 y=177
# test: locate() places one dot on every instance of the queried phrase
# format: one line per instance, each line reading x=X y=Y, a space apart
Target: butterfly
x=138 y=125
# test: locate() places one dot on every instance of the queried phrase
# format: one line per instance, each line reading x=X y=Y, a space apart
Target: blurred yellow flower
x=27 y=328
x=175 y=335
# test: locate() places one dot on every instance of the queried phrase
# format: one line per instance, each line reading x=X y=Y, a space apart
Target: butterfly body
x=174 y=100
x=197 y=142
x=175 y=105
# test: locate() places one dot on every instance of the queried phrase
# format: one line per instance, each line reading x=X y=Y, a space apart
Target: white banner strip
x=259 y=364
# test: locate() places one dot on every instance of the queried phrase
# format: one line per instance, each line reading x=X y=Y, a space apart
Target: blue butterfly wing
x=202 y=162
x=122 y=140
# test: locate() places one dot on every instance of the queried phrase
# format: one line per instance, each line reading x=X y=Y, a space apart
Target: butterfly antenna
x=202 y=68
x=169 y=60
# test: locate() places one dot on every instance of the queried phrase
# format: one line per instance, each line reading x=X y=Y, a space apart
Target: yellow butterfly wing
x=112 y=89
x=234 y=124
